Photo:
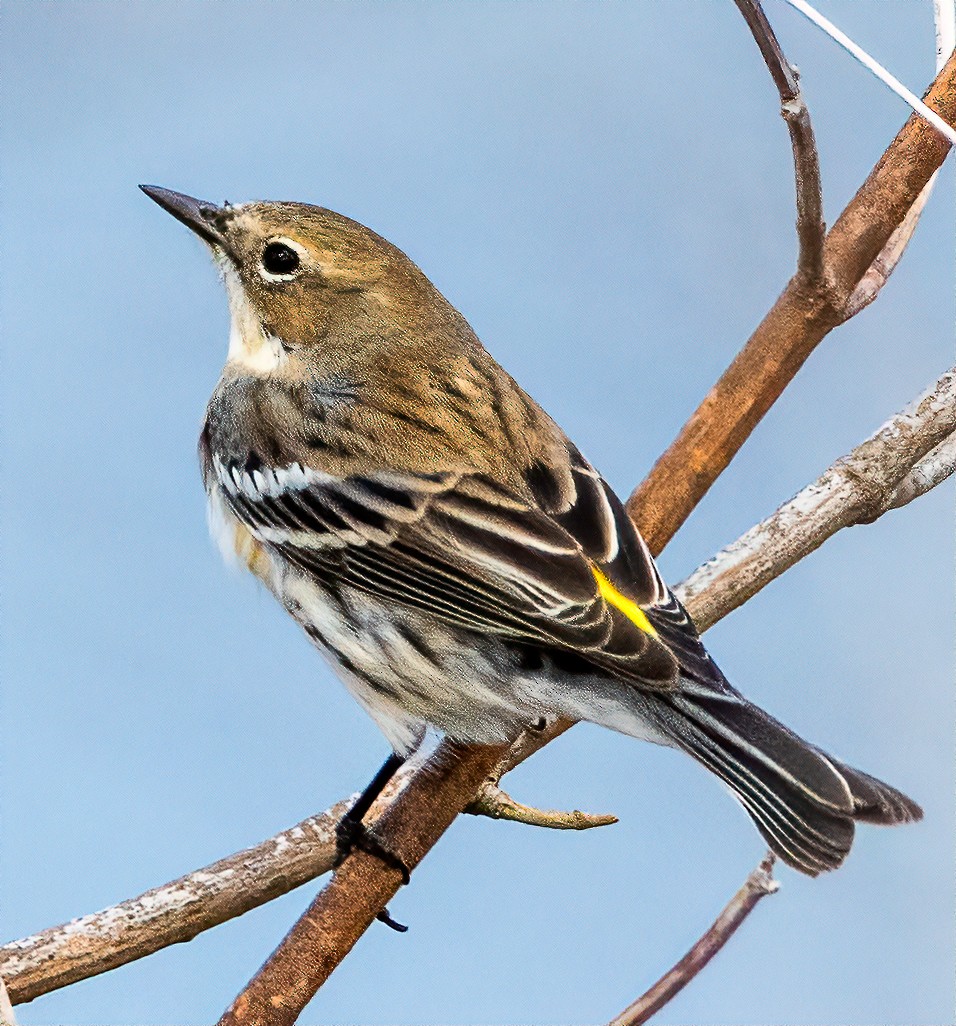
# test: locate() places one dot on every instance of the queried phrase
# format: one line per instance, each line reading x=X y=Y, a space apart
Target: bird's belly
x=409 y=670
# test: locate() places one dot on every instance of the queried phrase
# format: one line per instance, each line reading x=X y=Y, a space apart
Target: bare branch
x=175 y=912
x=874 y=66
x=493 y=802
x=758 y=885
x=806 y=161
x=937 y=465
x=363 y=885
x=798 y=322
x=883 y=266
x=857 y=489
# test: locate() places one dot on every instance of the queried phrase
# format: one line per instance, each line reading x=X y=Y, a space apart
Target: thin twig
x=758 y=885
x=937 y=465
x=885 y=264
x=857 y=489
x=811 y=229
x=497 y=804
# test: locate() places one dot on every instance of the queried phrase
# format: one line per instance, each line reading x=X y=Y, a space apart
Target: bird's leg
x=352 y=833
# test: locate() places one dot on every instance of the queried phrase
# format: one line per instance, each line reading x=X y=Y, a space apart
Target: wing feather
x=473 y=553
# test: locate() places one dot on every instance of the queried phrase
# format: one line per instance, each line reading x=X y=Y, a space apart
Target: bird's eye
x=278 y=258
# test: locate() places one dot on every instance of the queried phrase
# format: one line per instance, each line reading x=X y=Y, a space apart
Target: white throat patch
x=251 y=348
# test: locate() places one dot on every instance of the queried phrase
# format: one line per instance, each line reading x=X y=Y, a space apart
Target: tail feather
x=802 y=801
x=876 y=802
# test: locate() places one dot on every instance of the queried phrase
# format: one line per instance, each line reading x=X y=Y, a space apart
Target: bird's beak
x=199 y=215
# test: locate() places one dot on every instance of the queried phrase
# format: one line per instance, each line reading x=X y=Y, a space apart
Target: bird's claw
x=384 y=917
x=351 y=834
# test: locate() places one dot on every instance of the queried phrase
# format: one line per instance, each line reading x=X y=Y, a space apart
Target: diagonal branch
x=362 y=886
x=806 y=160
x=872 y=65
x=937 y=465
x=944 y=12
x=758 y=885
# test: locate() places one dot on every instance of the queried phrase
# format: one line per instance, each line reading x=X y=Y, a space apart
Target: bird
x=437 y=536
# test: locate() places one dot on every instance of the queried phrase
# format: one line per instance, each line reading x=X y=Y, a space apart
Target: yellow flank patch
x=251 y=552
x=630 y=609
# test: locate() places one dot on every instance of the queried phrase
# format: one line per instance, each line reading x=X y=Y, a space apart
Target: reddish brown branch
x=758 y=885
x=799 y=320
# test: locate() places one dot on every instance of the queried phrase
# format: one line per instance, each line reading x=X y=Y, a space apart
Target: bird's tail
x=802 y=801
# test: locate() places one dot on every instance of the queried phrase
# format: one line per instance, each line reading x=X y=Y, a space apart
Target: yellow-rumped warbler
x=439 y=538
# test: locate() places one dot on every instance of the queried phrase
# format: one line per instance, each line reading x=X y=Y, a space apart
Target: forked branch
x=904 y=458
x=800 y=319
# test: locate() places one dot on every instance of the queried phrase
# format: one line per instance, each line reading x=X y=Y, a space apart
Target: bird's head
x=311 y=290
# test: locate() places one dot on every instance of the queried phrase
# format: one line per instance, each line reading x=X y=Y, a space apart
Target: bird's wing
x=561 y=568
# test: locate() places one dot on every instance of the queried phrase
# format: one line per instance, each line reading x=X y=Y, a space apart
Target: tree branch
x=758 y=885
x=944 y=15
x=937 y=465
x=802 y=316
x=172 y=913
x=875 y=477
x=493 y=802
x=806 y=161
x=363 y=885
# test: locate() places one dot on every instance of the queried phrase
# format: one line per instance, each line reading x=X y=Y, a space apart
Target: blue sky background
x=605 y=190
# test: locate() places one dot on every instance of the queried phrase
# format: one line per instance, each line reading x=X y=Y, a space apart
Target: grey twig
x=910 y=453
x=758 y=885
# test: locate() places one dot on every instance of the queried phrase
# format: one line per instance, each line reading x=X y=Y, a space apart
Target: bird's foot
x=384 y=917
x=351 y=834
